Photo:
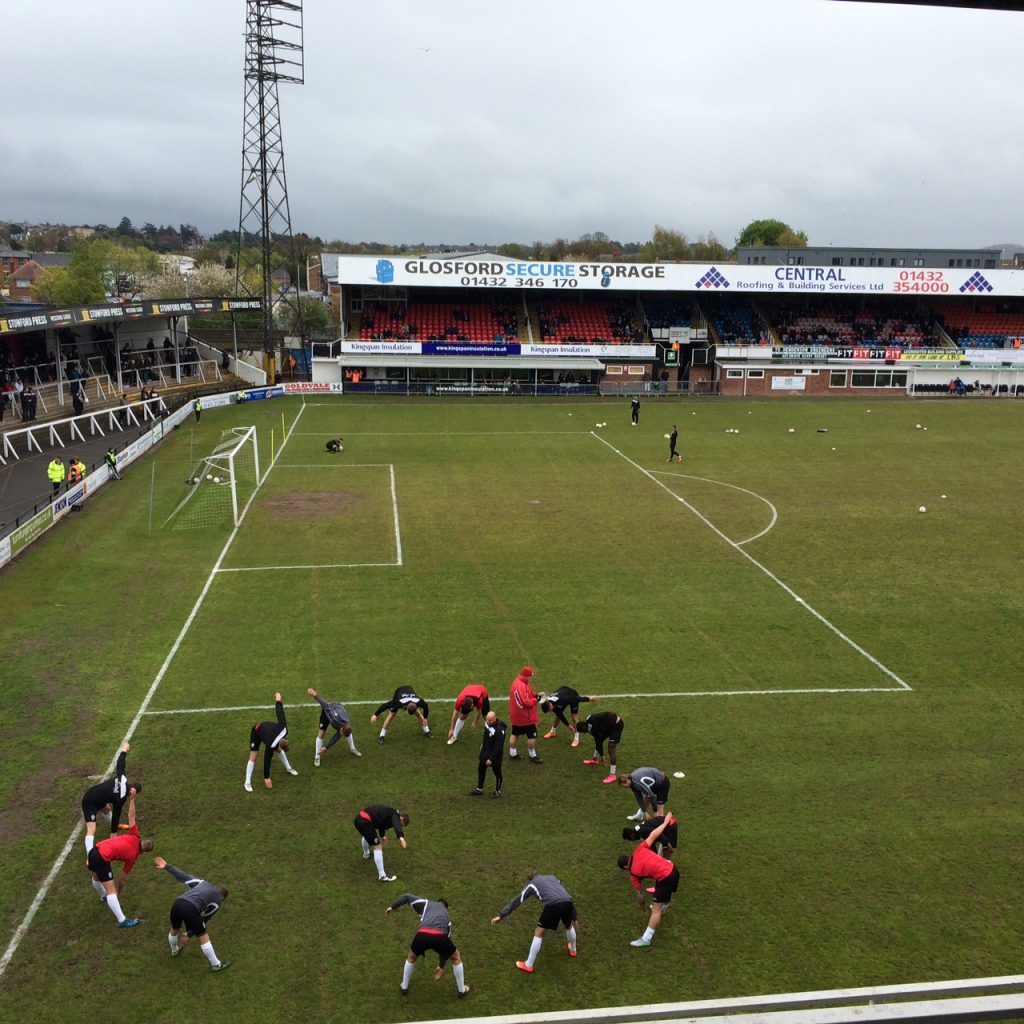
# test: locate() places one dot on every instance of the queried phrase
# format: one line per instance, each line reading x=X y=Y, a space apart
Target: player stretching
x=403 y=697
x=435 y=932
x=605 y=725
x=564 y=697
x=645 y=863
x=271 y=735
x=650 y=787
x=371 y=823
x=112 y=793
x=558 y=906
x=669 y=838
x=472 y=696
x=332 y=716
x=125 y=847
x=191 y=910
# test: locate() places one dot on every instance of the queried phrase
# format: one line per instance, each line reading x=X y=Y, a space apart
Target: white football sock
x=98 y=886
x=284 y=760
x=90 y=842
x=576 y=737
x=383 y=733
x=115 y=906
x=649 y=934
x=612 y=770
x=534 y=950
x=407 y=969
x=459 y=970
x=351 y=741
x=570 y=937
x=459 y=723
x=366 y=847
x=207 y=948
x=426 y=728
x=248 y=772
x=172 y=941
x=378 y=859
x=319 y=746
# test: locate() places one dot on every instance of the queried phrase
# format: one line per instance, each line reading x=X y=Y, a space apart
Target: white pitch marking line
x=753 y=561
x=337 y=465
x=37 y=902
x=332 y=565
x=603 y=696
x=394 y=506
x=448 y=433
x=735 y=487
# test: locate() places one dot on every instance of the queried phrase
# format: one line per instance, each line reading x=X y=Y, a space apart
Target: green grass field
x=852 y=809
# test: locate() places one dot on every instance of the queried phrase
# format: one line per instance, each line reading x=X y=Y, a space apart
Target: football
x=216 y=479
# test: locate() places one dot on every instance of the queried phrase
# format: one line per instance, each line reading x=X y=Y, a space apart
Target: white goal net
x=220 y=484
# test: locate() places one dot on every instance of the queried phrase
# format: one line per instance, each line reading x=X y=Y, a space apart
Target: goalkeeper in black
x=191 y=911
x=565 y=697
x=272 y=736
x=404 y=697
x=434 y=933
x=113 y=793
x=332 y=716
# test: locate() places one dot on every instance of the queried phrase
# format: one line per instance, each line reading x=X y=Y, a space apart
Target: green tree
x=770 y=232
x=666 y=244
x=709 y=249
x=316 y=318
x=69 y=286
x=514 y=251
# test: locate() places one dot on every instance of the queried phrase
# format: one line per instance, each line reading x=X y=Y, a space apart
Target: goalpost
x=220 y=484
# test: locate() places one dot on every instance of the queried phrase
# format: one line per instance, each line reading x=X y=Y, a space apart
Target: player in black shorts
x=404 y=697
x=558 y=907
x=113 y=793
x=191 y=911
x=435 y=933
x=668 y=842
x=605 y=725
x=564 y=697
x=371 y=823
x=334 y=446
x=272 y=737
x=650 y=787
x=332 y=716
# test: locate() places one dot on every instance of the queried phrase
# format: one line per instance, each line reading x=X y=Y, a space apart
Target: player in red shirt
x=645 y=863
x=472 y=696
x=523 y=715
x=125 y=847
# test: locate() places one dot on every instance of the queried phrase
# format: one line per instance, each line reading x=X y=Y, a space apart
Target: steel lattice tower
x=273 y=53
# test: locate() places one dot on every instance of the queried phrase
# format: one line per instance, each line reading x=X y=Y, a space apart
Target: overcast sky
x=477 y=121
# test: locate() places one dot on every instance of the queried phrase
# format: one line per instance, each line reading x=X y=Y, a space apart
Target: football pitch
x=837 y=673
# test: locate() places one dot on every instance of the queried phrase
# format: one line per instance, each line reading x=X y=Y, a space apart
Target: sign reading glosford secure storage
x=490 y=271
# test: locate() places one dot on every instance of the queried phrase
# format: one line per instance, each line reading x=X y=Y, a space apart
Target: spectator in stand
x=5 y=400
x=77 y=398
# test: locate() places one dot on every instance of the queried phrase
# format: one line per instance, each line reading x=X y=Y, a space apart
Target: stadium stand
x=987 y=327
x=733 y=320
x=665 y=312
x=481 y=323
x=837 y=321
x=589 y=323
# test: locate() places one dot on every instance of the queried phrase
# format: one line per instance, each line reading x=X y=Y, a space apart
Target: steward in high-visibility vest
x=197 y=408
x=56 y=472
x=111 y=460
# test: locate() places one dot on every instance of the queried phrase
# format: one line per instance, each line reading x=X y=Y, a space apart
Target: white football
x=216 y=479
x=792 y=430
x=209 y=476
x=922 y=509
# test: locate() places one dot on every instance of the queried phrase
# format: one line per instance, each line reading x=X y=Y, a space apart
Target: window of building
x=734 y=374
x=837 y=261
x=755 y=373
x=837 y=378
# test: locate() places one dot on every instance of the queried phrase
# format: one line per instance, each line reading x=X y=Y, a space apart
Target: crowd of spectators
x=589 y=323
x=474 y=323
x=837 y=321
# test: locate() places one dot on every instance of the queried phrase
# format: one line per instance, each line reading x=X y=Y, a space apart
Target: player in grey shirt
x=650 y=787
x=558 y=906
x=435 y=932
x=333 y=716
x=191 y=910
